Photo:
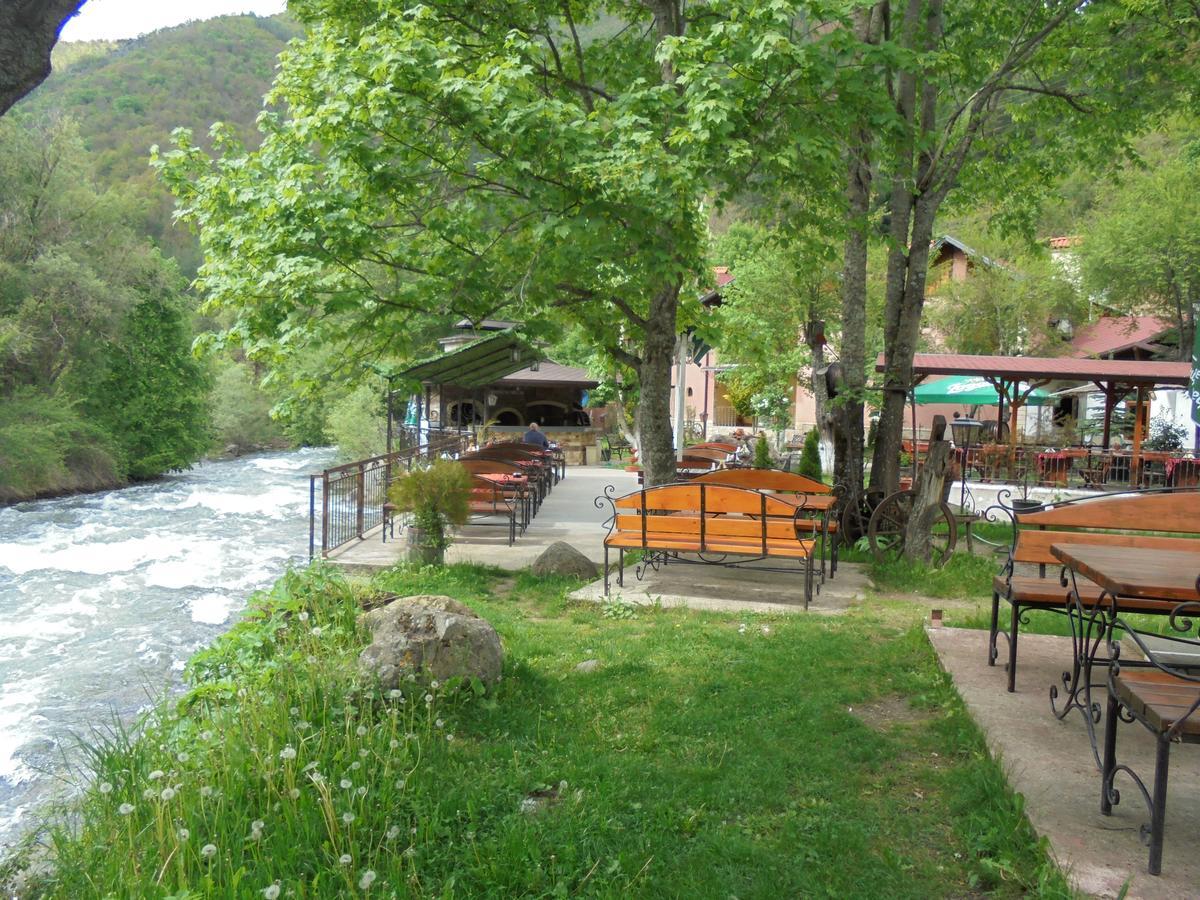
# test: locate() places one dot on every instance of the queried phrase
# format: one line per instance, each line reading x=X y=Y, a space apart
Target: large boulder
x=431 y=637
x=560 y=558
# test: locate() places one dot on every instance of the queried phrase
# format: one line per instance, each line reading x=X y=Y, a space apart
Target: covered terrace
x=1019 y=381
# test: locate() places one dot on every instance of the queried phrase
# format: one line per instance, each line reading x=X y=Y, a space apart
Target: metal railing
x=345 y=502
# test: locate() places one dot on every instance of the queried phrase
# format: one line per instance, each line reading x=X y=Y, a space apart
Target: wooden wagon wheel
x=888 y=522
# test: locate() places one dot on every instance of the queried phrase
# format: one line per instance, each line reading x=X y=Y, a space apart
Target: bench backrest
x=714 y=445
x=765 y=480
x=705 y=453
x=1102 y=521
x=704 y=513
x=489 y=466
x=501 y=452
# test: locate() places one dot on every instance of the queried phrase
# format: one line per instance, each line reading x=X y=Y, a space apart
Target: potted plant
x=437 y=497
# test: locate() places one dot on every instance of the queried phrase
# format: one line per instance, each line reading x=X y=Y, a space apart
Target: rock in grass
x=588 y=665
x=431 y=637
x=560 y=558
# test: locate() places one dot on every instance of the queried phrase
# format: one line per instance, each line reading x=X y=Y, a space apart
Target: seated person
x=535 y=436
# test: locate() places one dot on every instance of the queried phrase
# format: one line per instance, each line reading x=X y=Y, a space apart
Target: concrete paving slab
x=744 y=589
x=567 y=514
x=1050 y=762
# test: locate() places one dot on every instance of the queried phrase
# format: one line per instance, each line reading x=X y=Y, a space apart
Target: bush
x=762 y=453
x=241 y=413
x=1165 y=435
x=810 y=456
x=358 y=424
x=437 y=497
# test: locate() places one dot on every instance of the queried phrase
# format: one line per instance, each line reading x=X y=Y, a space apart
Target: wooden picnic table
x=1159 y=697
x=1144 y=573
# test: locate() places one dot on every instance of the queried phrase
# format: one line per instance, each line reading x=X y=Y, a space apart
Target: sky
x=115 y=19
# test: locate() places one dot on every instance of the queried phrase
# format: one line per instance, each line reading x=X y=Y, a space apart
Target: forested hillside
x=129 y=95
x=97 y=382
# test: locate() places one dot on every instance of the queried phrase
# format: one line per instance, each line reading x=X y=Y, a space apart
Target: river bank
x=104 y=596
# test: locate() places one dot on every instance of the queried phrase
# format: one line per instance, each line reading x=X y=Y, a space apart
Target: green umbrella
x=970 y=390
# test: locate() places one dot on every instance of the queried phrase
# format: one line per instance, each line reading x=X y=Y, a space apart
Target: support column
x=681 y=396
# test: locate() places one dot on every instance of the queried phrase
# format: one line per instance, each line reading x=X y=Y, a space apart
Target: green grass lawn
x=709 y=756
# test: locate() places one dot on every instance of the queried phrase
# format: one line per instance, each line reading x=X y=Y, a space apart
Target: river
x=103 y=597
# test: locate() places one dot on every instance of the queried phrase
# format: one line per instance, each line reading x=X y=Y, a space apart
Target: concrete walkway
x=567 y=514
x=1050 y=762
x=746 y=589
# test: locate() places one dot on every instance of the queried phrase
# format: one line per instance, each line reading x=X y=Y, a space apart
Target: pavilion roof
x=1050 y=368
x=477 y=364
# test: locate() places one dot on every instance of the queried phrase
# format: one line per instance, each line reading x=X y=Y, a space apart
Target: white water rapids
x=103 y=597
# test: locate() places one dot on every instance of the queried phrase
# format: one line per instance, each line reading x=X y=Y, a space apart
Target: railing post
x=361 y=498
x=312 y=515
x=325 y=512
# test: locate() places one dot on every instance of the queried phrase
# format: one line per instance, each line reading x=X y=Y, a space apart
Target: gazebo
x=502 y=382
x=1015 y=378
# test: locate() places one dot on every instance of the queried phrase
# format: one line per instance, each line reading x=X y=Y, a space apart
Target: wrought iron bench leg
x=621 y=566
x=992 y=651
x=1012 y=646
x=1158 y=806
x=1108 y=767
x=606 y=570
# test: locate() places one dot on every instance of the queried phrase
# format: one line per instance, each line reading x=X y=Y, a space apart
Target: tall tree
x=990 y=98
x=540 y=159
x=1141 y=248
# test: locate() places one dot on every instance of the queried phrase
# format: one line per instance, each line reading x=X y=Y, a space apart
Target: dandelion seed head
x=288 y=752
x=303 y=615
x=345 y=859
x=316 y=631
x=302 y=726
x=428 y=698
x=355 y=766
x=258 y=825
x=411 y=677
x=208 y=851
x=312 y=660
x=183 y=756
x=294 y=711
x=206 y=735
x=271 y=891
x=125 y=809
x=361 y=790
x=364 y=752
x=105 y=787
x=156 y=774
x=395 y=693
x=184 y=834
x=393 y=832
x=294 y=793
x=366 y=880
x=435 y=684
x=361 y=730
x=449 y=737
x=393 y=743
x=400 y=784
x=206 y=791
x=149 y=794
x=168 y=794
x=347 y=817
x=345 y=784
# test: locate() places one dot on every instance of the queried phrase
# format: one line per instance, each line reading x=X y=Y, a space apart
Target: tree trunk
x=816 y=346
x=927 y=504
x=28 y=32
x=653 y=415
x=848 y=412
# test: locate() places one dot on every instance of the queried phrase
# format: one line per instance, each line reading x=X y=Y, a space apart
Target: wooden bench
x=511 y=479
x=787 y=483
x=615 y=444
x=489 y=499
x=1031 y=579
x=1166 y=702
x=712 y=519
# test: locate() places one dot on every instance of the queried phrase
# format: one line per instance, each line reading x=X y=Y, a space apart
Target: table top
x=1135 y=571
